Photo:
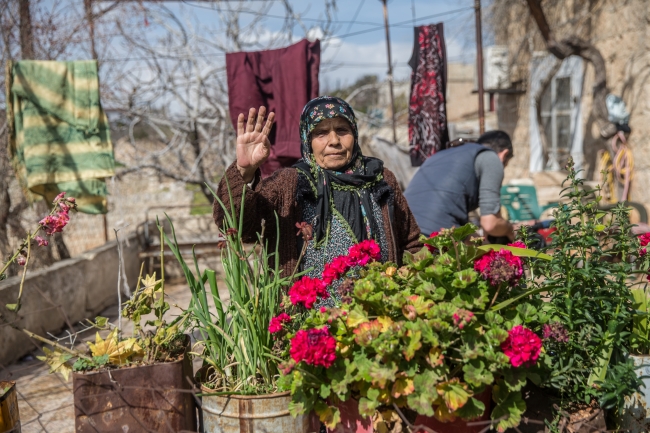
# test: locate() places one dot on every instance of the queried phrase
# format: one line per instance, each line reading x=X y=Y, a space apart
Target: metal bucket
x=635 y=415
x=248 y=414
x=150 y=398
x=9 y=419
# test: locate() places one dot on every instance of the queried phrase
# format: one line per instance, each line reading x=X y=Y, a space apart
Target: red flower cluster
x=462 y=317
x=522 y=346
x=432 y=249
x=335 y=269
x=644 y=240
x=55 y=223
x=314 y=346
x=358 y=255
x=307 y=290
x=276 y=322
x=500 y=267
x=363 y=252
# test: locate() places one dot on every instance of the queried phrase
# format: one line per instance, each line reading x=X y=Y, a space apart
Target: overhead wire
x=380 y=27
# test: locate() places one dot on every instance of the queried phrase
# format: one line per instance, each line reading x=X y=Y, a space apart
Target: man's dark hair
x=496 y=140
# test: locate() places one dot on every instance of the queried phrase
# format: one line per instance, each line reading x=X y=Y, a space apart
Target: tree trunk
x=26 y=33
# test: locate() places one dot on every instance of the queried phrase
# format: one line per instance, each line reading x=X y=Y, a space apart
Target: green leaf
x=515 y=379
x=296 y=408
x=13 y=307
x=101 y=322
x=476 y=374
x=453 y=394
x=520 y=252
x=369 y=403
x=461 y=233
x=413 y=344
x=328 y=415
x=356 y=317
x=381 y=375
x=325 y=391
x=527 y=312
x=101 y=360
x=511 y=407
x=471 y=410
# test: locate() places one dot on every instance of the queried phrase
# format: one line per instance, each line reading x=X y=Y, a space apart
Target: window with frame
x=556 y=106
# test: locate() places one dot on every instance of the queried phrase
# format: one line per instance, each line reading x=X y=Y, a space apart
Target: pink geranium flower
x=21 y=260
x=335 y=269
x=307 y=290
x=522 y=347
x=41 y=242
x=277 y=322
x=314 y=346
x=500 y=267
x=364 y=252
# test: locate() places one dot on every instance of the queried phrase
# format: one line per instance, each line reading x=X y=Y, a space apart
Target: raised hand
x=253 y=145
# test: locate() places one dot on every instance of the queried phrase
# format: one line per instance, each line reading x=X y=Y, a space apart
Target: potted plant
x=141 y=382
x=430 y=343
x=9 y=416
x=240 y=358
x=588 y=309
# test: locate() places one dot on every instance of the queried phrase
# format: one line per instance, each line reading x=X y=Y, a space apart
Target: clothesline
x=127 y=59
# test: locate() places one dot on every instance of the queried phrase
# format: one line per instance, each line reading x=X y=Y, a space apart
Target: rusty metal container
x=9 y=418
x=251 y=413
x=150 y=398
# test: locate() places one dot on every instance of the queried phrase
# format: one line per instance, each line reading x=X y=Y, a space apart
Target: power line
x=318 y=20
x=322 y=40
x=398 y=24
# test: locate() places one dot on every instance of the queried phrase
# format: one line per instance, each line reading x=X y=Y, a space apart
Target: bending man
x=458 y=180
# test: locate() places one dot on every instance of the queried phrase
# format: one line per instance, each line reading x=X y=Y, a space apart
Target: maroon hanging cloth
x=427 y=111
x=283 y=81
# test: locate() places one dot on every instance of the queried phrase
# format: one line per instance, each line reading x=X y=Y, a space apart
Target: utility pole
x=26 y=34
x=479 y=66
x=390 y=72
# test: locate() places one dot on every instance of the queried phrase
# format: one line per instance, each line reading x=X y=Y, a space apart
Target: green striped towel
x=59 y=134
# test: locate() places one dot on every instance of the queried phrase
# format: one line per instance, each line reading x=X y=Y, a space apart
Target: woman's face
x=332 y=143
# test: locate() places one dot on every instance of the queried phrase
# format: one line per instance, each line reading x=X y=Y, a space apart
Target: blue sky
x=366 y=53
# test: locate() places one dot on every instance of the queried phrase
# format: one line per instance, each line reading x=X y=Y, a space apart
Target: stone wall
x=620 y=31
x=78 y=288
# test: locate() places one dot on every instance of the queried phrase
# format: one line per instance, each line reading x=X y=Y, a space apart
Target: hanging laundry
x=283 y=81
x=427 y=110
x=59 y=136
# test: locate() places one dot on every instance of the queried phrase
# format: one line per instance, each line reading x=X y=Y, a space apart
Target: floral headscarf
x=346 y=192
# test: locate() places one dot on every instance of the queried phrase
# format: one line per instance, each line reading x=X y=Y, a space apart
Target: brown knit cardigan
x=278 y=193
